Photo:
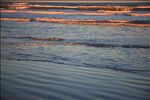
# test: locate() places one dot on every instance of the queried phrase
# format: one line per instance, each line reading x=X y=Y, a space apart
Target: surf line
x=99 y=13
x=111 y=8
x=58 y=43
x=142 y=23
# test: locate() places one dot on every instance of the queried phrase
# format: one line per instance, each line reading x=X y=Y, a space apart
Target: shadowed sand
x=84 y=22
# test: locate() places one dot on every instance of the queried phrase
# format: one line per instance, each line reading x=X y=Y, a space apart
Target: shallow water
x=74 y=72
x=52 y=81
x=89 y=62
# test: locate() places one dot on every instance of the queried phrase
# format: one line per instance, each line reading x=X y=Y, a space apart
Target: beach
x=75 y=51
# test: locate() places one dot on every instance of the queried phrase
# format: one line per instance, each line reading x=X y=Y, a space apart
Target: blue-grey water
x=90 y=62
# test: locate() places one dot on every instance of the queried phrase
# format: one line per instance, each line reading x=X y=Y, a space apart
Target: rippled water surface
x=53 y=61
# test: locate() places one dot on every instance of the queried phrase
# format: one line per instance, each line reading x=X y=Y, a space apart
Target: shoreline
x=78 y=1
x=104 y=13
x=82 y=22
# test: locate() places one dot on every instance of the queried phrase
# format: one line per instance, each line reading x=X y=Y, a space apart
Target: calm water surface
x=89 y=63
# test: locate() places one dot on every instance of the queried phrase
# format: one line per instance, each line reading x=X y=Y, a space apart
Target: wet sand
x=75 y=51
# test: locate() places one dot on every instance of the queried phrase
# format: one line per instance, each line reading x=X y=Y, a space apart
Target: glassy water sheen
x=52 y=61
